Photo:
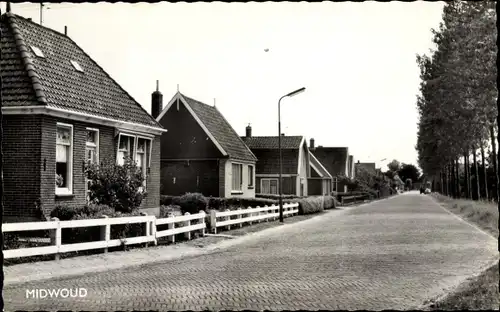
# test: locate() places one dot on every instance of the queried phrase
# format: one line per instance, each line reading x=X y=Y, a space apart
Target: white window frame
x=270 y=179
x=241 y=178
x=251 y=183
x=135 y=139
x=146 y=159
x=69 y=189
x=96 y=145
x=134 y=142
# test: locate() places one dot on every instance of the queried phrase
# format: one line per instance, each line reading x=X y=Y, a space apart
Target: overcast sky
x=357 y=61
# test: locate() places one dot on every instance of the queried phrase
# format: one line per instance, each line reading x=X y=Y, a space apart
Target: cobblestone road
x=391 y=254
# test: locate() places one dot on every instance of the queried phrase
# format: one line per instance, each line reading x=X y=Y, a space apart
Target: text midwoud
x=56 y=293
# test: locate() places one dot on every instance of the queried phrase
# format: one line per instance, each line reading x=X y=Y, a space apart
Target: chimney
x=282 y=134
x=311 y=143
x=249 y=131
x=8 y=7
x=156 y=101
x=65 y=30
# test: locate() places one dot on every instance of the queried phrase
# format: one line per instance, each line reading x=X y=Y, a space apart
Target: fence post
x=105 y=232
x=213 y=220
x=240 y=216
x=153 y=230
x=171 y=226
x=251 y=214
x=227 y=219
x=202 y=220
x=55 y=237
x=187 y=223
x=146 y=228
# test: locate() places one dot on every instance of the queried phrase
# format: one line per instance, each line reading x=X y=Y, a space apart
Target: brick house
x=321 y=181
x=295 y=156
x=61 y=110
x=202 y=152
x=336 y=162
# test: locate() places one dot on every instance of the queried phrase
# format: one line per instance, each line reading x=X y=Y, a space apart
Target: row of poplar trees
x=457 y=104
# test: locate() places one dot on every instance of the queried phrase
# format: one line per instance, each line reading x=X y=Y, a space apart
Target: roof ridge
x=36 y=82
x=93 y=61
x=234 y=132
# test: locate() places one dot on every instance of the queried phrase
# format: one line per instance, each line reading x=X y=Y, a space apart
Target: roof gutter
x=83 y=117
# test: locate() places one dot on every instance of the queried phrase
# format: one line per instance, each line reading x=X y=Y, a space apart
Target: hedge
x=276 y=197
x=315 y=204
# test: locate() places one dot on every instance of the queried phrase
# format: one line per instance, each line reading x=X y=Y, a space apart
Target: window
x=125 y=148
x=137 y=148
x=37 y=51
x=250 y=176
x=142 y=155
x=91 y=154
x=64 y=159
x=269 y=186
x=237 y=176
x=76 y=66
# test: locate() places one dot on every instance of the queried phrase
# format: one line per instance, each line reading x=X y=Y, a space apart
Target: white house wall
x=247 y=192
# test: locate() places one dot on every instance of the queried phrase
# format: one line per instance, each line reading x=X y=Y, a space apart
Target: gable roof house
x=336 y=162
x=202 y=152
x=61 y=110
x=321 y=181
x=295 y=163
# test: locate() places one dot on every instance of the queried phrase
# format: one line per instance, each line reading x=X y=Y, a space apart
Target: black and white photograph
x=257 y=156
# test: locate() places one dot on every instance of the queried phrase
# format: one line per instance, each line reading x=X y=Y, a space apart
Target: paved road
x=392 y=254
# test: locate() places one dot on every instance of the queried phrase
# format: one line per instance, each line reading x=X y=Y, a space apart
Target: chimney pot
x=282 y=134
x=65 y=30
x=311 y=143
x=249 y=131
x=156 y=102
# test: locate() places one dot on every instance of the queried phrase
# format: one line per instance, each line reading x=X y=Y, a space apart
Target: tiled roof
x=334 y=159
x=53 y=81
x=318 y=165
x=271 y=142
x=220 y=129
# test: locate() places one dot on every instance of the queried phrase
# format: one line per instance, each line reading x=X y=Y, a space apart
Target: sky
x=357 y=62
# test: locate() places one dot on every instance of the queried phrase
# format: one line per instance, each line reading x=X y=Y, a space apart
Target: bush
x=166 y=210
x=117 y=186
x=193 y=203
x=276 y=197
x=330 y=202
x=167 y=200
x=310 y=205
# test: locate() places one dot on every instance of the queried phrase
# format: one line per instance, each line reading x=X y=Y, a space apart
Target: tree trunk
x=457 y=177
x=441 y=184
x=446 y=181
x=495 y=161
x=466 y=177
x=485 y=173
x=452 y=179
x=476 y=175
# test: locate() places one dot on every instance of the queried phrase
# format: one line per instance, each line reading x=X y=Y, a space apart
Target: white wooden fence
x=223 y=218
x=175 y=225
x=56 y=226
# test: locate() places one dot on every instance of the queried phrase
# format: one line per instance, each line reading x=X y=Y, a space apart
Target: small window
x=125 y=148
x=269 y=186
x=76 y=66
x=91 y=154
x=37 y=51
x=250 y=176
x=237 y=176
x=142 y=156
x=64 y=159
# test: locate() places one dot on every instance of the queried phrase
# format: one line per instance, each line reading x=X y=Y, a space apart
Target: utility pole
x=41 y=13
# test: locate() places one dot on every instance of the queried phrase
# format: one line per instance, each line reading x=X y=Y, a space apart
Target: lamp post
x=279 y=146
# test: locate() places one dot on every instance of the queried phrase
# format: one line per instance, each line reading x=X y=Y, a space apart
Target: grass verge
x=482 y=292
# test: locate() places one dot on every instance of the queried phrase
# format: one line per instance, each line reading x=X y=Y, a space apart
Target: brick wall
x=21 y=172
x=152 y=200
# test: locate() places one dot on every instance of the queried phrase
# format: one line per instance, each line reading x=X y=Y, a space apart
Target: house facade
x=201 y=152
x=295 y=163
x=336 y=162
x=61 y=111
x=320 y=182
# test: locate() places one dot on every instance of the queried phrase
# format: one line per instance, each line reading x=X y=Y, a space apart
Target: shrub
x=276 y=197
x=310 y=205
x=118 y=186
x=63 y=212
x=167 y=200
x=330 y=202
x=166 y=210
x=193 y=203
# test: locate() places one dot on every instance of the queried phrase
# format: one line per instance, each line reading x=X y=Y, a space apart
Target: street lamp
x=279 y=145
